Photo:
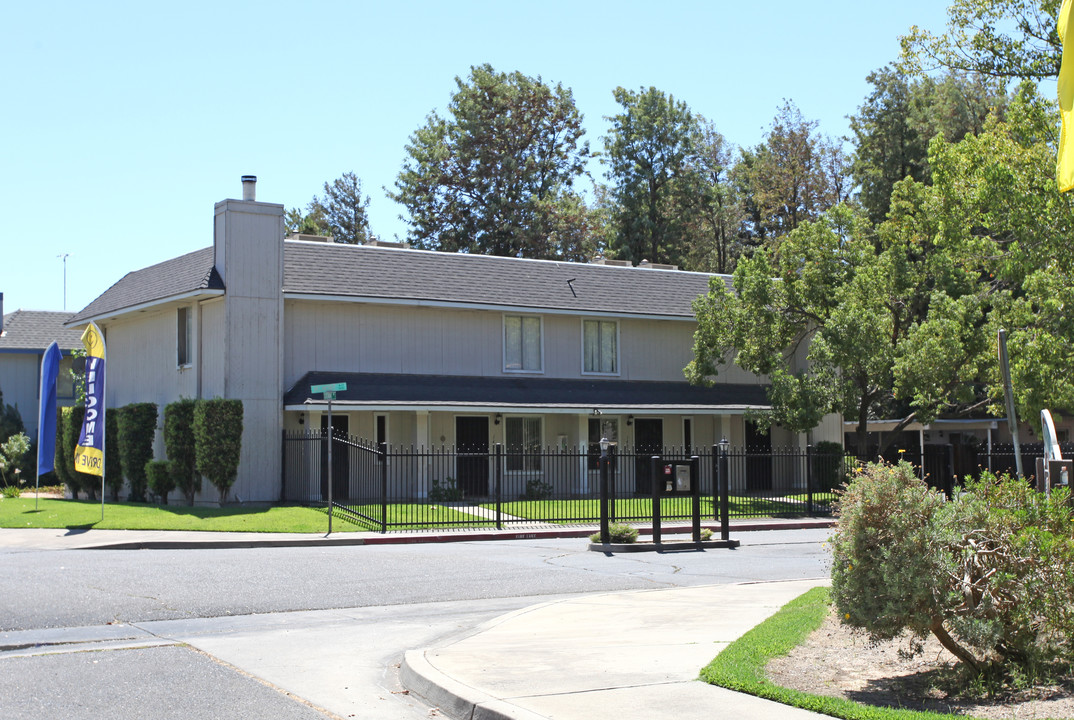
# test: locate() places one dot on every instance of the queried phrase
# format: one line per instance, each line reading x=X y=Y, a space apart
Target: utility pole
x=64 y=257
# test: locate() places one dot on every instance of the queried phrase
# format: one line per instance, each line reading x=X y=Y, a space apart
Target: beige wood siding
x=357 y=337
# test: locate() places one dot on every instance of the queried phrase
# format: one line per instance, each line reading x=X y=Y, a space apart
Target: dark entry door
x=758 y=457
x=648 y=441
x=472 y=446
x=340 y=458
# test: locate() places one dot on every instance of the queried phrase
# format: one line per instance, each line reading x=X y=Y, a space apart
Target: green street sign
x=329 y=396
x=329 y=388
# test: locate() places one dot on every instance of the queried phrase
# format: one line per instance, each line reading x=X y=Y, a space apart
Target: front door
x=758 y=457
x=340 y=458
x=648 y=441
x=472 y=446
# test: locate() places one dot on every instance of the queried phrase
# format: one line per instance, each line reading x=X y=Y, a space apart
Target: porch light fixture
x=605 y=443
x=629 y=420
x=499 y=417
x=596 y=412
x=724 y=443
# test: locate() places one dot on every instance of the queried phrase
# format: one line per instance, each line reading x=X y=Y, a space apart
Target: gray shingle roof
x=317 y=268
x=353 y=270
x=36 y=329
x=393 y=389
x=178 y=276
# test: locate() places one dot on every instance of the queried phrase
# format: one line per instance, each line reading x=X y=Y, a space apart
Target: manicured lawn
x=20 y=513
x=627 y=508
x=741 y=665
x=282 y=519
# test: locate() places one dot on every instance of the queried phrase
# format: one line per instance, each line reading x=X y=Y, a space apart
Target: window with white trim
x=600 y=346
x=522 y=343
x=522 y=436
x=184 y=354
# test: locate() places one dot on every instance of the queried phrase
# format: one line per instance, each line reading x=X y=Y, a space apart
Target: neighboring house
x=24 y=337
x=435 y=348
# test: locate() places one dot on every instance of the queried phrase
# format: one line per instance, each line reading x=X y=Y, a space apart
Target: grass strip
x=741 y=665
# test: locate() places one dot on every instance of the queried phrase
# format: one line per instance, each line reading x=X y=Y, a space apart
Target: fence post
x=383 y=488
x=809 y=479
x=725 y=494
x=654 y=467
x=605 y=537
x=715 y=482
x=695 y=496
x=499 y=486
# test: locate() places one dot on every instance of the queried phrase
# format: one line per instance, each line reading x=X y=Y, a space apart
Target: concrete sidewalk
x=613 y=656
x=82 y=539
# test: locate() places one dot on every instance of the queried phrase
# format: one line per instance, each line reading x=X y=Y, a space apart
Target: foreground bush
x=136 y=428
x=180 y=447
x=990 y=573
x=218 y=441
x=158 y=474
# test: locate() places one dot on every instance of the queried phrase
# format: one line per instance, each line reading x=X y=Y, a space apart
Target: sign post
x=329 y=391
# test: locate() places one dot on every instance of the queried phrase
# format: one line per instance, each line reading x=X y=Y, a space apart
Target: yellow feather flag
x=1064 y=172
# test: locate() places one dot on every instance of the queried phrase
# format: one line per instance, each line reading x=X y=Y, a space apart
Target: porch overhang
x=469 y=394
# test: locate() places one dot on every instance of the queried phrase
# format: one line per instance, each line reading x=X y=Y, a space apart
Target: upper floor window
x=522 y=343
x=183 y=335
x=600 y=346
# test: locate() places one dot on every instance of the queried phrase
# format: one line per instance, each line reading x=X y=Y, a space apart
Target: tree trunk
x=937 y=629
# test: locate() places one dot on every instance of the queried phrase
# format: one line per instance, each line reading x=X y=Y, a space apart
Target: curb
x=343 y=540
x=455 y=699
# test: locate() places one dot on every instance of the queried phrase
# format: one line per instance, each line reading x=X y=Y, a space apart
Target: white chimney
x=249 y=188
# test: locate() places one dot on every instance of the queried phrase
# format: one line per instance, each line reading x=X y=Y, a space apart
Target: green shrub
x=113 y=468
x=59 y=467
x=218 y=441
x=180 y=446
x=446 y=491
x=72 y=429
x=537 y=490
x=989 y=573
x=12 y=450
x=159 y=476
x=618 y=533
x=136 y=428
x=827 y=466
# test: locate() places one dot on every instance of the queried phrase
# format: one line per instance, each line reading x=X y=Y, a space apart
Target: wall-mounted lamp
x=499 y=417
x=301 y=419
x=629 y=420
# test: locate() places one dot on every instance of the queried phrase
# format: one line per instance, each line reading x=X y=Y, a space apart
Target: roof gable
x=178 y=276
x=37 y=329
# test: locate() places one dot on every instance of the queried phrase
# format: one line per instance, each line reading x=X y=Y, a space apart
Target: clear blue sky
x=123 y=123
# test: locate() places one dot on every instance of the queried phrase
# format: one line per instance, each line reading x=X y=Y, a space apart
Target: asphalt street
x=317 y=631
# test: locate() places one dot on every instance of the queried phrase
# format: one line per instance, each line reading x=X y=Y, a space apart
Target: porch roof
x=546 y=395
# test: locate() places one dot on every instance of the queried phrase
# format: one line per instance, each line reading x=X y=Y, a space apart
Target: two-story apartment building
x=435 y=348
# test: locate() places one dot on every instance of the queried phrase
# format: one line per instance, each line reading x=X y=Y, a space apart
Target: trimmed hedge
x=180 y=446
x=113 y=468
x=159 y=475
x=218 y=441
x=136 y=428
x=71 y=423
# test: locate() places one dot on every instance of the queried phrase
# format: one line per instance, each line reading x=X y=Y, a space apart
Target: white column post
x=423 y=445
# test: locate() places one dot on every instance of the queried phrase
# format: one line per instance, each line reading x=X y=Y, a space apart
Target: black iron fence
x=391 y=487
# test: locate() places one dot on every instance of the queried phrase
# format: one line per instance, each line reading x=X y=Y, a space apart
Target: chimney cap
x=249 y=187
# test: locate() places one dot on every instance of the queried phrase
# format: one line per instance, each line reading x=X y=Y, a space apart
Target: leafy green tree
x=136 y=428
x=999 y=38
x=794 y=176
x=844 y=320
x=180 y=446
x=312 y=222
x=489 y=177
x=649 y=150
x=343 y=210
x=218 y=441
x=713 y=206
x=894 y=125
